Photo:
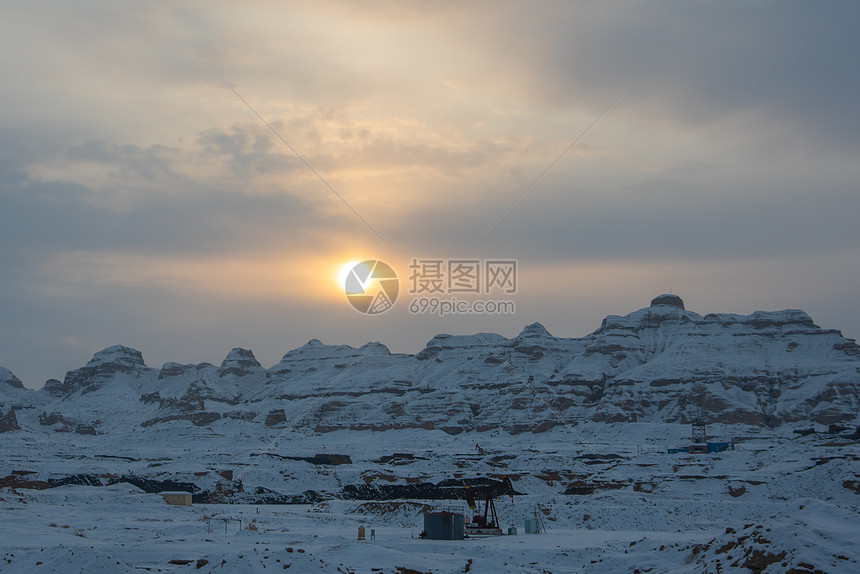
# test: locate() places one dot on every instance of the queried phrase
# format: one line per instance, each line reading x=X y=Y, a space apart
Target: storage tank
x=444 y=525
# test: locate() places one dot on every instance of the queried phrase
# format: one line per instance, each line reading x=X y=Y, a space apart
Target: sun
x=344 y=271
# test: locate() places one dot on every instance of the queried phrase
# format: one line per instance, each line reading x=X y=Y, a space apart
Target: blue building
x=704 y=448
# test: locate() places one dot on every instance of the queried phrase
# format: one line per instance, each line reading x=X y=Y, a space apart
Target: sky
x=185 y=178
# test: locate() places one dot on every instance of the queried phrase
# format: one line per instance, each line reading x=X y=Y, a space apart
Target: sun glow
x=344 y=272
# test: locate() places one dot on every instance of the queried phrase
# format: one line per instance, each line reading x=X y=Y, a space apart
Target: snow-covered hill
x=347 y=436
x=658 y=364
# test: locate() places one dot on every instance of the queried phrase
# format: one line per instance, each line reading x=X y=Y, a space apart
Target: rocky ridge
x=662 y=363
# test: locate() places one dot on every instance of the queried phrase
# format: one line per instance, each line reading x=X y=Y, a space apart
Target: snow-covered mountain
x=334 y=436
x=662 y=363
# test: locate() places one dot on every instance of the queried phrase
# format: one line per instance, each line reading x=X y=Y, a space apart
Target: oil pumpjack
x=486 y=524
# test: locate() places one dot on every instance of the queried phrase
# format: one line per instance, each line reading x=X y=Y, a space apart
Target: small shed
x=444 y=525
x=176 y=497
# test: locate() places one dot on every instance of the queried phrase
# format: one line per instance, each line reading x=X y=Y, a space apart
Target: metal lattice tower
x=700 y=429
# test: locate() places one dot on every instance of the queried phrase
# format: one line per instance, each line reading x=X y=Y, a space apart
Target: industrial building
x=444 y=525
x=176 y=497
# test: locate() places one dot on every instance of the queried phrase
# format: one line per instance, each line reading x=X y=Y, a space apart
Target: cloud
x=693 y=63
x=152 y=163
x=672 y=216
x=61 y=216
x=141 y=201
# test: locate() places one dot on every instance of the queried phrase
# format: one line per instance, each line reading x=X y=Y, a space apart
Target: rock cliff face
x=761 y=369
x=117 y=362
x=240 y=365
x=661 y=363
x=7 y=378
x=8 y=421
x=13 y=394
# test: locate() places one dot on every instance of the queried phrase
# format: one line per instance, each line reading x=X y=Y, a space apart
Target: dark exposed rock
x=20 y=479
x=451 y=489
x=321 y=459
x=240 y=415
x=85 y=429
x=57 y=388
x=154 y=486
x=193 y=400
x=426 y=425
x=276 y=417
x=399 y=458
x=170 y=370
x=75 y=479
x=759 y=560
x=667 y=301
x=187 y=403
x=850 y=348
x=428 y=352
x=102 y=367
x=241 y=363
x=51 y=419
x=204 y=418
x=262 y=495
x=579 y=489
x=196 y=418
x=331 y=459
x=9 y=422
x=8 y=378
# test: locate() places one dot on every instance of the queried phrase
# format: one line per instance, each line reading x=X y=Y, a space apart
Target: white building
x=176 y=497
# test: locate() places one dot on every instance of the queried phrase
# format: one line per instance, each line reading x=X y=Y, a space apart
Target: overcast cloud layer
x=143 y=203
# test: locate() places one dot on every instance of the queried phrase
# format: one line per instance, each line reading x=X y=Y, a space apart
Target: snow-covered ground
x=352 y=437
x=779 y=501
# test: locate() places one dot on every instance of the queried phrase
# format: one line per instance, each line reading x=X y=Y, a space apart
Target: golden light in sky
x=344 y=272
x=158 y=189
